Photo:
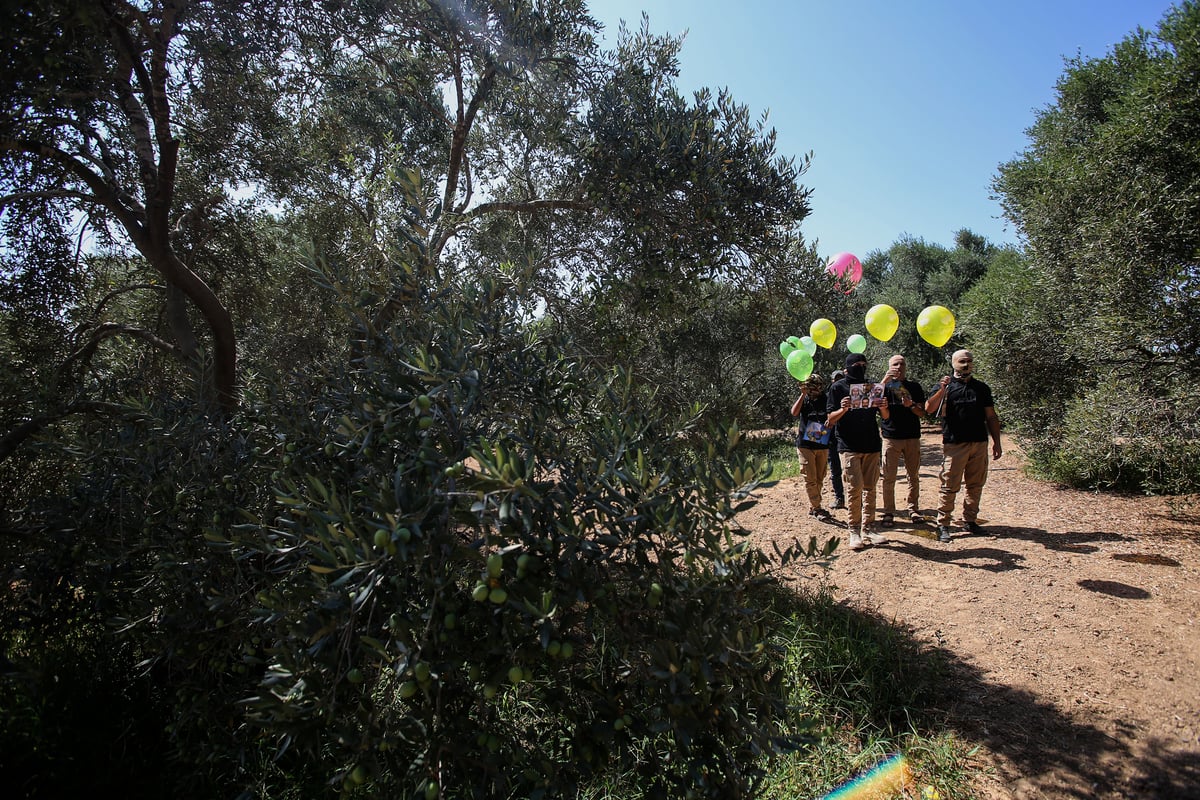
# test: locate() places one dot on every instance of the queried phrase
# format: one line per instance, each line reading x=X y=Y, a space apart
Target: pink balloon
x=845 y=266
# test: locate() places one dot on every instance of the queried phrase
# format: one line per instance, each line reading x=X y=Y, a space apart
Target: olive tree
x=1108 y=198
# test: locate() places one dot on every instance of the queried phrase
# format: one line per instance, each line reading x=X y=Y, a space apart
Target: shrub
x=1120 y=437
x=497 y=573
x=464 y=563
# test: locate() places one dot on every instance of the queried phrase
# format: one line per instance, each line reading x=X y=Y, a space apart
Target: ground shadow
x=1076 y=542
x=1146 y=558
x=992 y=559
x=1115 y=589
x=1183 y=517
x=1043 y=752
x=1173 y=774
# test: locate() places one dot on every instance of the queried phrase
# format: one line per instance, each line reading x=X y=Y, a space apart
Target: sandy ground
x=1072 y=628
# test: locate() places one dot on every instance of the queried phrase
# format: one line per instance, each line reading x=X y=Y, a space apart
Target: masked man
x=856 y=418
x=968 y=419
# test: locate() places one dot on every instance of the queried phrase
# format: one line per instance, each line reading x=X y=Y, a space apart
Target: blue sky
x=908 y=106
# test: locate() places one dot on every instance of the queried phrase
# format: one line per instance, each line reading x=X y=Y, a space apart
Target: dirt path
x=1072 y=628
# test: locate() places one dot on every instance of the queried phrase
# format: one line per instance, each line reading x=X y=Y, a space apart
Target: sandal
x=821 y=514
x=886 y=520
x=916 y=518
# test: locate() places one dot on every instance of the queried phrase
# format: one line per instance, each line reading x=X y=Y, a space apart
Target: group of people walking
x=859 y=432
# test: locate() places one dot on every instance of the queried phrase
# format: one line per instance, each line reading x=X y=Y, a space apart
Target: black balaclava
x=856 y=368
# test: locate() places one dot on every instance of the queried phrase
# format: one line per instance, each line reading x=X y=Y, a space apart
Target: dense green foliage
x=870 y=687
x=1104 y=313
x=468 y=557
x=372 y=527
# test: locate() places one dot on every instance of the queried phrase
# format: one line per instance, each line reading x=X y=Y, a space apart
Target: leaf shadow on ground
x=1040 y=741
x=1049 y=752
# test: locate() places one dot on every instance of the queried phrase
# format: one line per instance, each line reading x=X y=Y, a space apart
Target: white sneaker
x=856 y=542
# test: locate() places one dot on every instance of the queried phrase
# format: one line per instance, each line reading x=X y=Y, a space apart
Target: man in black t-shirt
x=859 y=446
x=969 y=418
x=812 y=453
x=902 y=439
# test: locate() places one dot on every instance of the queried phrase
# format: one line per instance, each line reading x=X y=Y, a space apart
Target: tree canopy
x=1103 y=313
x=364 y=277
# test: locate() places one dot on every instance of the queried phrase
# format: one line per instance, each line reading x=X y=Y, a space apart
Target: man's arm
x=915 y=405
x=934 y=404
x=993 y=425
x=796 y=406
x=838 y=413
x=838 y=404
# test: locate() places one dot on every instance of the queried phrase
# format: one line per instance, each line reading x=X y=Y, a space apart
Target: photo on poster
x=865 y=395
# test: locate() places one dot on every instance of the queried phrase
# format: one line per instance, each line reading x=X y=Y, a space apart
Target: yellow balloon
x=936 y=325
x=882 y=322
x=823 y=333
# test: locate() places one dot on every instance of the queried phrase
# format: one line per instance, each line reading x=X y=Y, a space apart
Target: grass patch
x=779 y=449
x=866 y=688
x=863 y=691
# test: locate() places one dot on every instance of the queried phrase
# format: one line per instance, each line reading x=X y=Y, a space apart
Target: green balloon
x=786 y=348
x=856 y=343
x=799 y=364
x=808 y=345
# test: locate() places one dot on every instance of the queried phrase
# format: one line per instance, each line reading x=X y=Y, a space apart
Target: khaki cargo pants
x=813 y=466
x=893 y=451
x=860 y=474
x=962 y=463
